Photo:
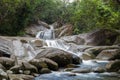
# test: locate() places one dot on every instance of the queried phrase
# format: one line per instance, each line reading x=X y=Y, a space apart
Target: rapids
x=49 y=38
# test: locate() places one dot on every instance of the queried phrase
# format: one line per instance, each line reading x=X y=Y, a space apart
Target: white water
x=46 y=35
x=23 y=51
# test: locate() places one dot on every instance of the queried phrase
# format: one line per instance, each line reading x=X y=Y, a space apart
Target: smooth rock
x=45 y=70
x=101 y=37
x=87 y=56
x=109 y=54
x=113 y=66
x=62 y=58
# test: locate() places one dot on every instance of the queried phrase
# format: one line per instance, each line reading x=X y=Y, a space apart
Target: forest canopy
x=84 y=15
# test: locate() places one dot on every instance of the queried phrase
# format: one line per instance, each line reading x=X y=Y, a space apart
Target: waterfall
x=57 y=44
x=49 y=37
x=46 y=35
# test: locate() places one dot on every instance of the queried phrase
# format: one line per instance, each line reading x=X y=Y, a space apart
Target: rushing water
x=48 y=34
x=49 y=38
x=90 y=64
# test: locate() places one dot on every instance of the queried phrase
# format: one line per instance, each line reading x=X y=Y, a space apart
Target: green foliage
x=95 y=14
x=84 y=15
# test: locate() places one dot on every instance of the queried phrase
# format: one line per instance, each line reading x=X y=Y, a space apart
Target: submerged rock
x=81 y=71
x=59 y=56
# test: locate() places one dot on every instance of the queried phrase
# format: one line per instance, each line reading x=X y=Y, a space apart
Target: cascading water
x=46 y=35
x=23 y=51
x=49 y=38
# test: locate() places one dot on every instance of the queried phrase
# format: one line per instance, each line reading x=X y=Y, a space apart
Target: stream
x=61 y=74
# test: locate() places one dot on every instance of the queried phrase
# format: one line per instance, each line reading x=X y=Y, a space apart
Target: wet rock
x=25 y=66
x=88 y=56
x=94 y=50
x=97 y=49
x=109 y=54
x=3 y=75
x=68 y=69
x=7 y=62
x=39 y=64
x=98 y=70
x=71 y=66
x=44 y=63
x=74 y=39
x=20 y=77
x=28 y=66
x=101 y=37
x=71 y=74
x=113 y=66
x=81 y=71
x=51 y=64
x=45 y=70
x=62 y=58
x=37 y=43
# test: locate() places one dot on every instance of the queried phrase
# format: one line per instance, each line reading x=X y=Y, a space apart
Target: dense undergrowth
x=84 y=15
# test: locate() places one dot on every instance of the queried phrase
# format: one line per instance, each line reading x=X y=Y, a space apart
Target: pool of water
x=86 y=76
x=90 y=64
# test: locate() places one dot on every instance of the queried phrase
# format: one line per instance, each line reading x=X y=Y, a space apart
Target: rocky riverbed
x=93 y=56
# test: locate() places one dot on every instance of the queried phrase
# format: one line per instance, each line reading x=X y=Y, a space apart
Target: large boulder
x=65 y=30
x=109 y=54
x=59 y=56
x=74 y=39
x=113 y=66
x=97 y=49
x=33 y=29
x=101 y=37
